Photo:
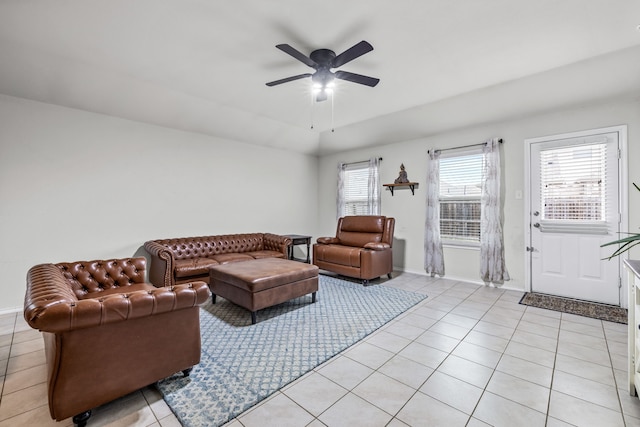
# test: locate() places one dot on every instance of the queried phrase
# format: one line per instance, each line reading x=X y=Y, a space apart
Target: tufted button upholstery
x=84 y=294
x=96 y=276
x=189 y=258
x=108 y=332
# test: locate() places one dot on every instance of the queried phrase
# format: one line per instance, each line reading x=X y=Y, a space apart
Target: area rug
x=606 y=312
x=242 y=364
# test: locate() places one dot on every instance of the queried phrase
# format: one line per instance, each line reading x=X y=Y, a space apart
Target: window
x=356 y=184
x=573 y=183
x=359 y=188
x=460 y=192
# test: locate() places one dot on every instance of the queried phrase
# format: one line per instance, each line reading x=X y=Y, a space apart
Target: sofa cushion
x=363 y=224
x=193 y=266
x=231 y=257
x=265 y=254
x=359 y=239
x=87 y=277
x=338 y=254
x=360 y=230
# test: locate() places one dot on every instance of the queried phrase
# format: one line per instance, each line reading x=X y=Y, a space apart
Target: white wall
x=78 y=186
x=409 y=210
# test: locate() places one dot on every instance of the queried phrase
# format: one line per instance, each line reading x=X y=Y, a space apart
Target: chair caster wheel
x=80 y=420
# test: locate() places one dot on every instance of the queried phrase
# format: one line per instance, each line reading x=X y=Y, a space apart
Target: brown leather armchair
x=361 y=248
x=107 y=332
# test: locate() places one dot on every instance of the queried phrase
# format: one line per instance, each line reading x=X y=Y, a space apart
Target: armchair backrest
x=87 y=277
x=358 y=230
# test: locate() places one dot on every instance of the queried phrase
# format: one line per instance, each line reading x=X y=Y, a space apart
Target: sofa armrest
x=51 y=306
x=328 y=240
x=162 y=264
x=275 y=242
x=375 y=246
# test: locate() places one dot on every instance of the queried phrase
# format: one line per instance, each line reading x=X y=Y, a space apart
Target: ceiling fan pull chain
x=311 y=108
x=333 y=94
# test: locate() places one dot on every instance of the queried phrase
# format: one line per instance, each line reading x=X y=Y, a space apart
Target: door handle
x=536 y=213
x=536 y=225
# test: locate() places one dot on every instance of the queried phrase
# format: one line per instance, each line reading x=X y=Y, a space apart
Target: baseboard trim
x=10 y=310
x=461 y=279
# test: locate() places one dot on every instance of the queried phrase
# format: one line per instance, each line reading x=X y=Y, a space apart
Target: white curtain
x=374 y=188
x=340 y=192
x=492 y=265
x=433 y=256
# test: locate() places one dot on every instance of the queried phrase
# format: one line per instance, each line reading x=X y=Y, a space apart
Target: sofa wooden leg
x=389 y=275
x=365 y=282
x=253 y=317
x=213 y=298
x=80 y=420
x=187 y=371
x=313 y=297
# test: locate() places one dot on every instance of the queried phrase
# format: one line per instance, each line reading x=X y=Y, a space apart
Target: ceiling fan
x=323 y=60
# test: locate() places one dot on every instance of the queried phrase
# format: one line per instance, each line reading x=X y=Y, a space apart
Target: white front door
x=574 y=209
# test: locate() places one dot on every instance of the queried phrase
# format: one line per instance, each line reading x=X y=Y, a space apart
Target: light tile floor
x=466 y=356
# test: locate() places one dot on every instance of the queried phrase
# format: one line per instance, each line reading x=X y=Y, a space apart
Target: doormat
x=610 y=313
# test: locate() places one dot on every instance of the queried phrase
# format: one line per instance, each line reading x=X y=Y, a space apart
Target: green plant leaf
x=631 y=238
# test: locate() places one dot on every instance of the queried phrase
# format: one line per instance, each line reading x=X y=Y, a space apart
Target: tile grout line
x=6 y=367
x=615 y=381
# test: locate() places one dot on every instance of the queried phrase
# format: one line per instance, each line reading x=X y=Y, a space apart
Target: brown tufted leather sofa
x=107 y=332
x=185 y=259
x=360 y=249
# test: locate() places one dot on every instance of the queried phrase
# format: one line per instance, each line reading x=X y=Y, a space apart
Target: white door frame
x=623 y=189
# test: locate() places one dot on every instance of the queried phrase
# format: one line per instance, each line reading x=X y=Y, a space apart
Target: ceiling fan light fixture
x=321 y=96
x=323 y=61
x=321 y=91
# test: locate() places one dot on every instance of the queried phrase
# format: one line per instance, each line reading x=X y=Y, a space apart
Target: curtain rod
x=361 y=161
x=463 y=146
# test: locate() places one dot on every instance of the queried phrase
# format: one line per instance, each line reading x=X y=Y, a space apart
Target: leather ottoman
x=262 y=283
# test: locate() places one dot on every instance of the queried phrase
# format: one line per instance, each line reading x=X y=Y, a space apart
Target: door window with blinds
x=573 y=189
x=356 y=184
x=460 y=192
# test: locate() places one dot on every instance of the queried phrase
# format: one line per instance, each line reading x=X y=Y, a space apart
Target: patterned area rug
x=242 y=363
x=610 y=313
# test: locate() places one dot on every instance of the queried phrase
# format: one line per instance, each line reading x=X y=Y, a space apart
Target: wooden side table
x=298 y=239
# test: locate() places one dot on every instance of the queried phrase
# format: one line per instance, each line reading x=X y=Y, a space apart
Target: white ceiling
x=201 y=65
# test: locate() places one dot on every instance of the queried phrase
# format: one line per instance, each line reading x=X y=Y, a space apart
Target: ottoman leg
x=253 y=317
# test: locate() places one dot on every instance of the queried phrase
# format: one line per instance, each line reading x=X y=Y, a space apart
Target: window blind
x=461 y=176
x=573 y=188
x=356 y=189
x=460 y=192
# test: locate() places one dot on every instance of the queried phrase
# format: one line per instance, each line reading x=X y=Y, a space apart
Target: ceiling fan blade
x=356 y=78
x=298 y=55
x=288 y=79
x=352 y=53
